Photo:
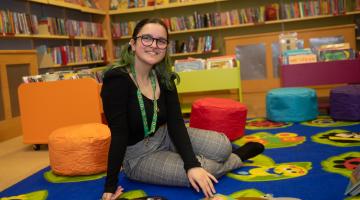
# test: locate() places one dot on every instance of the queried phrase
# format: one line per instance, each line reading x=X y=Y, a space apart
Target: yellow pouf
x=79 y=149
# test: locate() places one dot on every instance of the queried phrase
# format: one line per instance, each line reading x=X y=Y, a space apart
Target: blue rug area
x=311 y=160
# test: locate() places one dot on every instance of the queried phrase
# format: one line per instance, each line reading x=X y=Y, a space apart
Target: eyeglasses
x=147 y=40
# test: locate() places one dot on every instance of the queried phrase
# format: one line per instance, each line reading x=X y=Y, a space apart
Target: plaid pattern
x=155 y=160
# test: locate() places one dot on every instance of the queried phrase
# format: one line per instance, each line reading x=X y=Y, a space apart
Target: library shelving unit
x=251 y=32
x=59 y=9
x=167 y=10
x=267 y=75
x=19 y=56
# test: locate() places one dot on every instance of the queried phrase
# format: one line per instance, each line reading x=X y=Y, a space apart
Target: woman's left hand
x=201 y=179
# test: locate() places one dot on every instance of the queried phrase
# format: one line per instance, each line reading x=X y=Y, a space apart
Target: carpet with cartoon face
x=309 y=160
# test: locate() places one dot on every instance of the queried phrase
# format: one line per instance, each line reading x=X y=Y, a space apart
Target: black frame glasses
x=148 y=40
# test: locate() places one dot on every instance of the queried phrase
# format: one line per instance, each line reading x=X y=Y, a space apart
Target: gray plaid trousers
x=156 y=161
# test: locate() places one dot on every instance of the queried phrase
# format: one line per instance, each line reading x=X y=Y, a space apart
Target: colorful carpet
x=311 y=160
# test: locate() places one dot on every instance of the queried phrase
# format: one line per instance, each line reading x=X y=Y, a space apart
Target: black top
x=123 y=115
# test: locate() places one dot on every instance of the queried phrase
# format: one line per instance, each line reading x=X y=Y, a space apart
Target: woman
x=148 y=135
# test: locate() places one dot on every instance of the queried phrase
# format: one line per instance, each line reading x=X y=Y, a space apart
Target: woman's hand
x=199 y=177
x=111 y=196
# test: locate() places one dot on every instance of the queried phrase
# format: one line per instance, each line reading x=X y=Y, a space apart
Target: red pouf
x=222 y=115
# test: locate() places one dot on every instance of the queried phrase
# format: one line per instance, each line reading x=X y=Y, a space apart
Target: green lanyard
x=141 y=103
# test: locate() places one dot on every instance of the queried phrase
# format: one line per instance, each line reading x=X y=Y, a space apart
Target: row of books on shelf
x=192 y=44
x=198 y=20
x=298 y=9
x=125 y=4
x=275 y=11
x=324 y=53
x=64 y=55
x=12 y=23
x=218 y=62
x=201 y=44
x=95 y=73
x=17 y=23
x=122 y=28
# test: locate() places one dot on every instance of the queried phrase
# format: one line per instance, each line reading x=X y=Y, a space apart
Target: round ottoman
x=79 y=149
x=221 y=115
x=345 y=103
x=291 y=104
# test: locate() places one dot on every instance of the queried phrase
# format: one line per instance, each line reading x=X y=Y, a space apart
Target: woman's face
x=150 y=44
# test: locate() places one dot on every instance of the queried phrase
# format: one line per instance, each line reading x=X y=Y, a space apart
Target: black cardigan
x=123 y=115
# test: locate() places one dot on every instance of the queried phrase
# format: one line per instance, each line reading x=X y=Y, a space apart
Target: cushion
x=79 y=149
x=293 y=104
x=345 y=103
x=222 y=115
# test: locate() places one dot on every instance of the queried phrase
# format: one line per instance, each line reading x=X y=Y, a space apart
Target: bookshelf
x=18 y=53
x=165 y=6
x=255 y=86
x=211 y=80
x=84 y=26
x=253 y=90
x=13 y=65
x=170 y=10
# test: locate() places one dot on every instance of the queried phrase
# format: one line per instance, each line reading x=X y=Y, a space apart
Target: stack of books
x=298 y=56
x=96 y=73
x=189 y=64
x=219 y=62
x=331 y=52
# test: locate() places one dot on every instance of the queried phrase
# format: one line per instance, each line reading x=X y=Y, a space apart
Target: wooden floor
x=18 y=161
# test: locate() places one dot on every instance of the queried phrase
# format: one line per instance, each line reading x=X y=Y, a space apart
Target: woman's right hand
x=112 y=196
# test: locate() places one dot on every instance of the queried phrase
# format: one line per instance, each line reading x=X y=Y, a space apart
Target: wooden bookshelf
x=189 y=54
x=13 y=64
x=183 y=4
x=194 y=53
x=77 y=64
x=254 y=90
x=39 y=1
x=161 y=7
x=63 y=4
x=93 y=11
x=216 y=28
x=122 y=37
x=131 y=10
x=55 y=37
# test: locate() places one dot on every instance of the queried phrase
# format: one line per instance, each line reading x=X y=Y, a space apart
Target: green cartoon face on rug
x=279 y=140
x=264 y=168
x=342 y=164
x=338 y=137
x=327 y=121
x=38 y=195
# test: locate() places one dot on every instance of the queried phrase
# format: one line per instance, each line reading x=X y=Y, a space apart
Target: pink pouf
x=79 y=149
x=221 y=115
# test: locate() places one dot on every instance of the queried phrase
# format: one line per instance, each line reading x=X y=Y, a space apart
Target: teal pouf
x=293 y=104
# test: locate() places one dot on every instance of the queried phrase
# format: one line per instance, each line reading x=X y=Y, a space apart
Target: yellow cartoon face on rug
x=264 y=168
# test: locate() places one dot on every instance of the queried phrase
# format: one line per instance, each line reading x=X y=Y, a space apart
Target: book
x=221 y=62
x=353 y=188
x=302 y=58
x=114 y=4
x=189 y=64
